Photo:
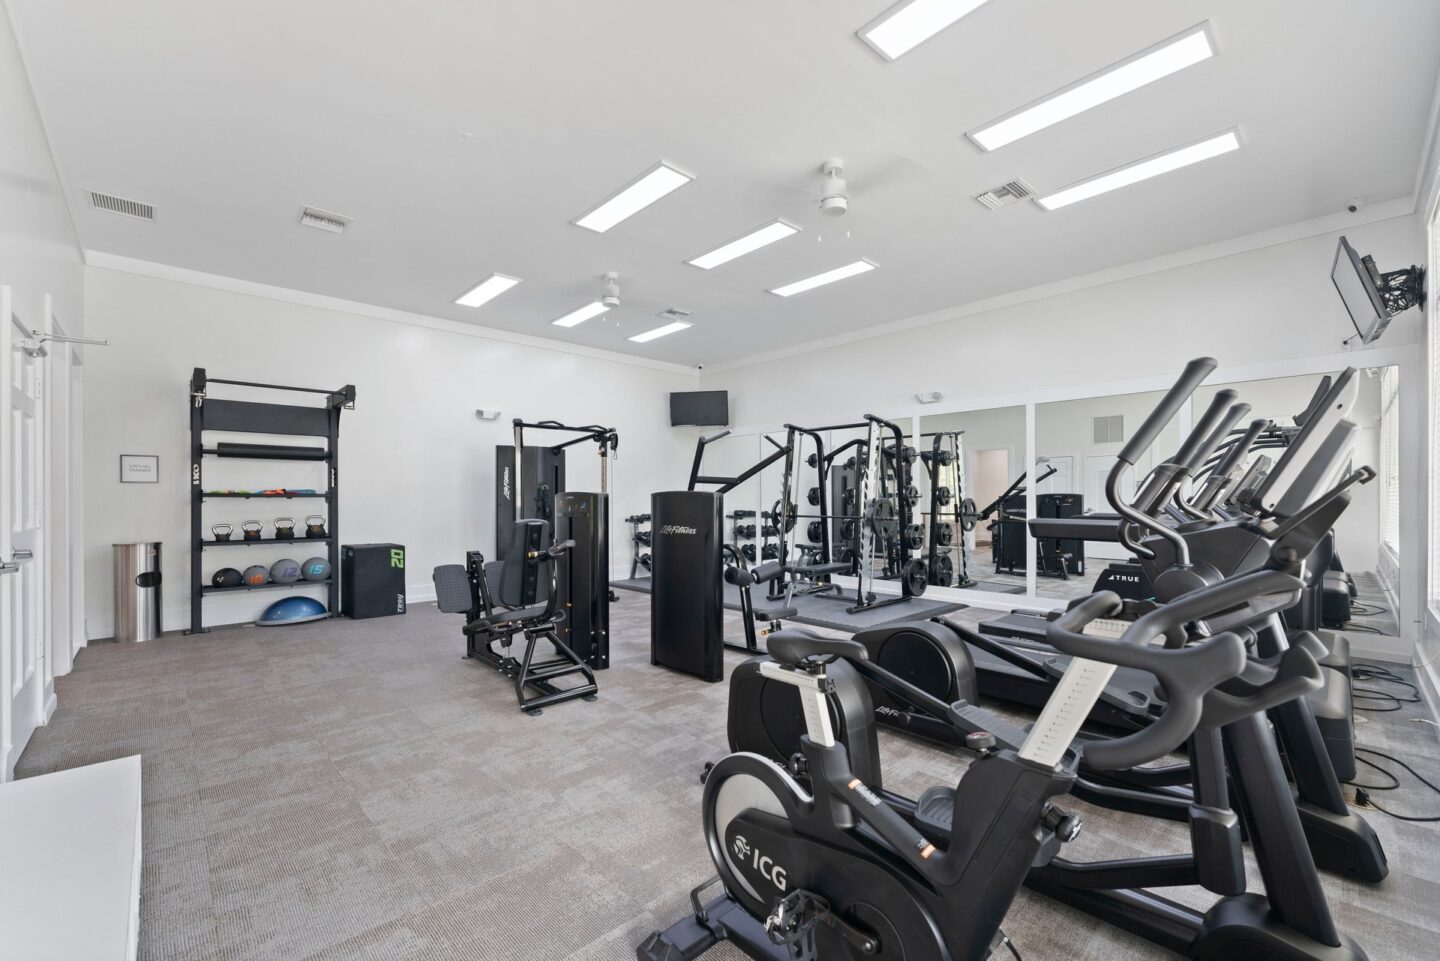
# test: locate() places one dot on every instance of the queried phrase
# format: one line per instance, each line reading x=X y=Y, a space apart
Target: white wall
x=39 y=253
x=417 y=466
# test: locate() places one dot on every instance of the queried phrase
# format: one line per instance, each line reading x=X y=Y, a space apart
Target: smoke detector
x=324 y=220
x=1005 y=194
x=611 y=294
x=834 y=196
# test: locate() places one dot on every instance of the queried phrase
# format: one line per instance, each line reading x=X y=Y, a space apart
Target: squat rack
x=250 y=417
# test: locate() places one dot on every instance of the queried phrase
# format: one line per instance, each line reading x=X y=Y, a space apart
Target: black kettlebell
x=222 y=532
x=251 y=530
x=284 y=528
x=315 y=526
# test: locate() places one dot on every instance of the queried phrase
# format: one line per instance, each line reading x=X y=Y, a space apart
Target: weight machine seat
x=453 y=592
x=775 y=613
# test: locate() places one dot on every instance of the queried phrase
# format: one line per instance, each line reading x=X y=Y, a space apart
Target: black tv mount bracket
x=1403 y=289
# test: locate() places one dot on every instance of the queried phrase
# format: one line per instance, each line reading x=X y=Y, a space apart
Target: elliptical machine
x=836 y=871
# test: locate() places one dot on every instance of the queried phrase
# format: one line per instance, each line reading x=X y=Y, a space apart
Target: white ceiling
x=463 y=137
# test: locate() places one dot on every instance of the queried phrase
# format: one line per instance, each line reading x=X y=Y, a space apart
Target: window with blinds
x=1389 y=469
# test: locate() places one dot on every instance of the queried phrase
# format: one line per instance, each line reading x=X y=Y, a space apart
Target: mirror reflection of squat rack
x=951 y=514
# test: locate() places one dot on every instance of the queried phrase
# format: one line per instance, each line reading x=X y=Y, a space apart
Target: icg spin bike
x=839 y=874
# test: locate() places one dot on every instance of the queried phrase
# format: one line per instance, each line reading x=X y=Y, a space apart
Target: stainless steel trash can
x=137 y=591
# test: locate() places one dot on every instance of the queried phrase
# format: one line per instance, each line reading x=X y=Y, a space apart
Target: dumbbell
x=815 y=531
x=745 y=530
x=643 y=537
x=770 y=552
x=769 y=530
x=645 y=561
x=813 y=496
x=749 y=551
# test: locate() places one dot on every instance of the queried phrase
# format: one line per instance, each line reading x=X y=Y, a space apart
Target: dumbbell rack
x=743 y=532
x=640 y=537
x=251 y=417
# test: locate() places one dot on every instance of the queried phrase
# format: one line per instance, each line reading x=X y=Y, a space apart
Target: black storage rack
x=250 y=417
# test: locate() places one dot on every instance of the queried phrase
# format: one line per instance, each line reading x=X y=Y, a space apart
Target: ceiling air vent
x=1005 y=194
x=324 y=220
x=675 y=313
x=119 y=205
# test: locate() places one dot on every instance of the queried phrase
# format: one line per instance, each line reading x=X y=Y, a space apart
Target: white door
x=21 y=537
x=1060 y=482
x=1097 y=470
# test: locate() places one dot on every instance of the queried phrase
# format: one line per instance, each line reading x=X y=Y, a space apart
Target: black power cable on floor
x=1362 y=794
x=1384 y=702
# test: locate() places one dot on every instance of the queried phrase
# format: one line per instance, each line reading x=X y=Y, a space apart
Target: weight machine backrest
x=522 y=582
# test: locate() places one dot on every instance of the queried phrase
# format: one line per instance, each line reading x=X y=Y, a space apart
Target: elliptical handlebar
x=1188 y=674
x=1192 y=451
x=1195 y=372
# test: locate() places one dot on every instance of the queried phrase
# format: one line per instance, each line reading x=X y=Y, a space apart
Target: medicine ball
x=257 y=575
x=227 y=577
x=285 y=571
x=315 y=569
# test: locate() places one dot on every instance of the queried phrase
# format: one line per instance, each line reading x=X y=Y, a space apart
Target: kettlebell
x=251 y=530
x=222 y=531
x=315 y=526
x=284 y=528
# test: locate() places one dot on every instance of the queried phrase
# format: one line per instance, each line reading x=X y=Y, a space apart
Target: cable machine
x=583 y=573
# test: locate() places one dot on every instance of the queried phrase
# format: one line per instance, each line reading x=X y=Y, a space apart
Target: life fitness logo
x=750 y=856
x=505 y=482
x=676 y=529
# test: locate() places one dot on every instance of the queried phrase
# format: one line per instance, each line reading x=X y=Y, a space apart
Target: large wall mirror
x=1077 y=443
x=1366 y=542
x=964 y=496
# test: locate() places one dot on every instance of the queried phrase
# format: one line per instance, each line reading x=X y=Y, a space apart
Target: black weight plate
x=914 y=537
x=915 y=577
x=943 y=496
x=944 y=534
x=969 y=514
x=813 y=496
x=815 y=531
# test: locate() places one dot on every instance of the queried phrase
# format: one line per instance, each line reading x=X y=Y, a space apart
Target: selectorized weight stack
x=582 y=573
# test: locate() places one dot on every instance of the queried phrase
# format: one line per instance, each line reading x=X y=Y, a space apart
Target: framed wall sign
x=139 y=468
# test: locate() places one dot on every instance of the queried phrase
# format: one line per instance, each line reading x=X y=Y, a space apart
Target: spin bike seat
x=792 y=646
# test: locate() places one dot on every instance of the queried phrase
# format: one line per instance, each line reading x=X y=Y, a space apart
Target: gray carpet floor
x=355 y=790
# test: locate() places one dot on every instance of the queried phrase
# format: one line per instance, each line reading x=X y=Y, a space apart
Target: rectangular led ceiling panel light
x=1142 y=170
x=1147 y=66
x=575 y=317
x=905 y=26
x=655 y=183
x=487 y=290
x=751 y=242
x=650 y=335
x=820 y=280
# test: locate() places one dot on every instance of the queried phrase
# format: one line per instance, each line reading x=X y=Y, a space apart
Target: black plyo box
x=372 y=580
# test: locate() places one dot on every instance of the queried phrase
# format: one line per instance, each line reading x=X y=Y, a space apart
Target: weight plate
x=912 y=494
x=914 y=577
x=914 y=537
x=969 y=514
x=812 y=460
x=776 y=514
x=815 y=531
x=944 y=534
x=946 y=457
x=943 y=496
x=847 y=530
